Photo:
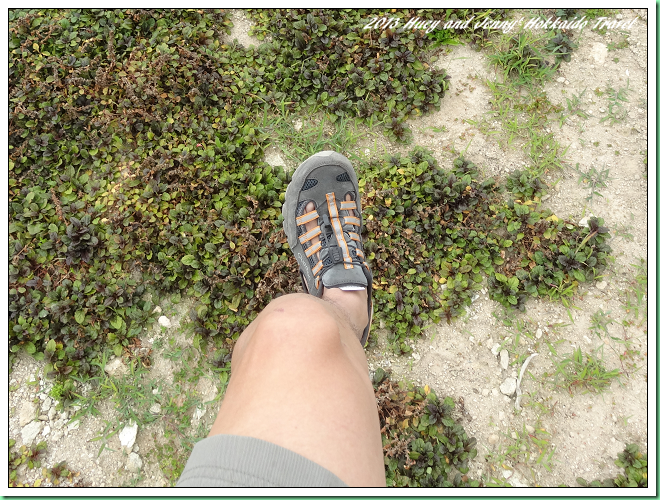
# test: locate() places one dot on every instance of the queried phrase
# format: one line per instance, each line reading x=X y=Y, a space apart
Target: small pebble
x=493 y=438
x=561 y=79
x=529 y=428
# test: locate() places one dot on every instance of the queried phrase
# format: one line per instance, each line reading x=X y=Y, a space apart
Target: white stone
x=46 y=430
x=26 y=413
x=134 y=462
x=495 y=348
x=516 y=482
x=157 y=310
x=73 y=425
x=274 y=159
x=46 y=404
x=51 y=413
x=506 y=474
x=493 y=438
x=529 y=428
x=416 y=356
x=539 y=333
x=508 y=387
x=504 y=359
x=297 y=124
x=199 y=412
x=56 y=435
x=599 y=52
x=584 y=222
x=155 y=408
x=116 y=368
x=485 y=392
x=619 y=17
x=127 y=435
x=30 y=431
x=58 y=424
x=164 y=321
x=136 y=448
x=561 y=79
x=494 y=392
x=601 y=285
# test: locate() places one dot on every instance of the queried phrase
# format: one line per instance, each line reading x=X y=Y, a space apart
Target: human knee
x=298 y=319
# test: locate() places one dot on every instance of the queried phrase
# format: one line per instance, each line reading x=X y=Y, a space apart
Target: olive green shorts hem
x=239 y=461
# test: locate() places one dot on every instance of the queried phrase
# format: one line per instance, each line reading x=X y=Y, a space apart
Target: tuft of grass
x=585 y=372
x=520 y=59
x=592 y=180
x=635 y=301
x=297 y=145
x=522 y=451
x=573 y=108
x=616 y=112
x=524 y=119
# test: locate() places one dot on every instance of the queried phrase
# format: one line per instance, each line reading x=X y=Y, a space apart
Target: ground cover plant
x=136 y=144
x=423 y=443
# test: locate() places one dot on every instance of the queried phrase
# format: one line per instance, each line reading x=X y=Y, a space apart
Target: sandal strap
x=308 y=217
x=309 y=235
x=353 y=221
x=313 y=249
x=338 y=230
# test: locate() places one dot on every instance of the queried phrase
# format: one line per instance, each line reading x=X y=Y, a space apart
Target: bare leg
x=300 y=380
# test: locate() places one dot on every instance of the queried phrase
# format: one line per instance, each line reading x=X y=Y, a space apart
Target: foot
x=322 y=222
x=352 y=303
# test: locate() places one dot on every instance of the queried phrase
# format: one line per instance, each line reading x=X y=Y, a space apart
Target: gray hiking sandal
x=337 y=259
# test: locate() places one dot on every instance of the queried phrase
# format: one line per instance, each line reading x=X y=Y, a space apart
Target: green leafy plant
x=565 y=13
x=526 y=186
x=443 y=37
x=422 y=442
x=28 y=455
x=635 y=475
x=561 y=47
